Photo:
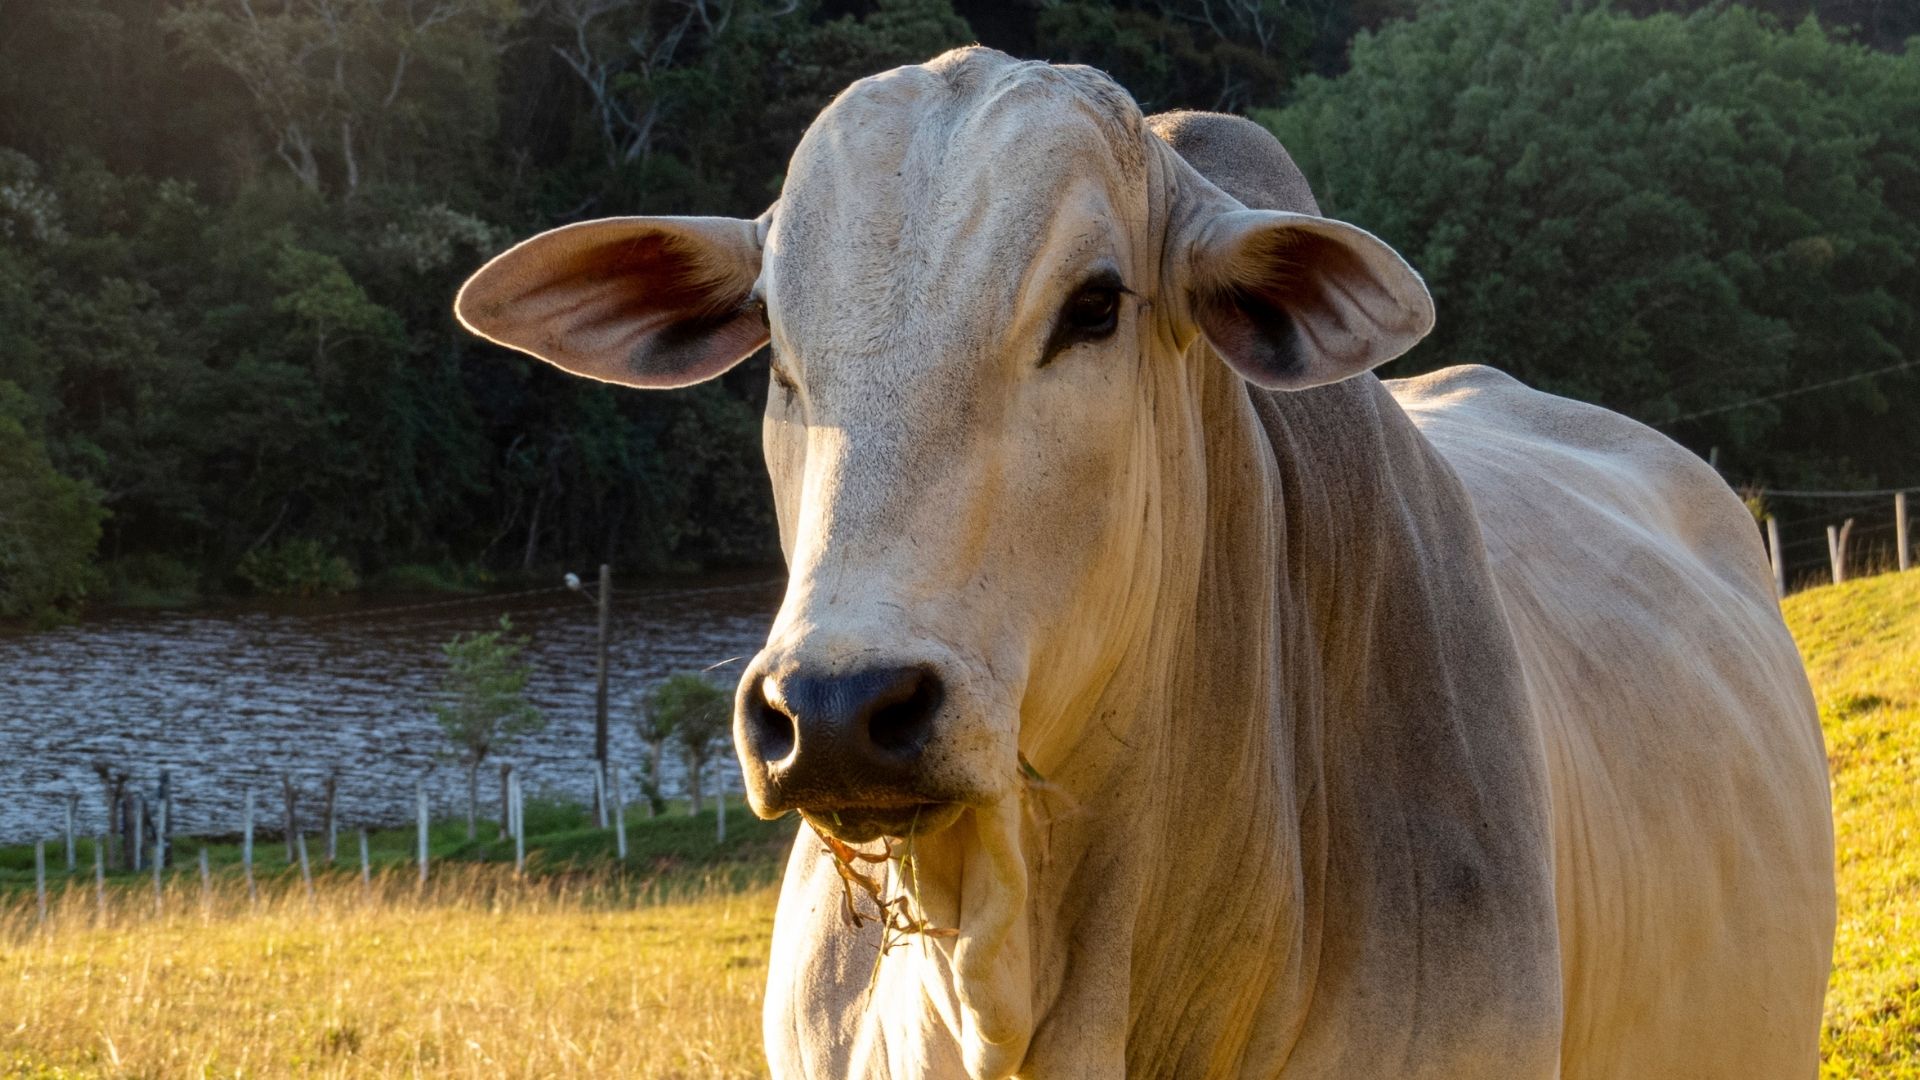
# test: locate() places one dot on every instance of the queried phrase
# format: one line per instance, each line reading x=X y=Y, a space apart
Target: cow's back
x=1692 y=819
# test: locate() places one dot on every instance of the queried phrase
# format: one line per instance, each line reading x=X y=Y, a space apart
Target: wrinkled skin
x=1443 y=732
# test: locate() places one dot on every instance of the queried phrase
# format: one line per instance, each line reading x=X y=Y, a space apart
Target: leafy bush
x=49 y=526
x=296 y=568
x=443 y=577
x=151 y=581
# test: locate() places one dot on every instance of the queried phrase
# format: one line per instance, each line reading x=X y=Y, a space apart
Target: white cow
x=1428 y=729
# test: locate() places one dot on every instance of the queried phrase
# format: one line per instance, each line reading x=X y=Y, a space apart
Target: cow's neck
x=1186 y=871
x=1196 y=897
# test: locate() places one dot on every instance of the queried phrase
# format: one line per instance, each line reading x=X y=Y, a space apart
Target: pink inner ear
x=1298 y=308
x=652 y=303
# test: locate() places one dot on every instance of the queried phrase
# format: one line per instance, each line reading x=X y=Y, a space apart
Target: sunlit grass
x=1862 y=645
x=486 y=975
x=482 y=975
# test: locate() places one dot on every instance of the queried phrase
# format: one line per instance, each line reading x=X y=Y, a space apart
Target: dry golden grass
x=481 y=977
x=486 y=977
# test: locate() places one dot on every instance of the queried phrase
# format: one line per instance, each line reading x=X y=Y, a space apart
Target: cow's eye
x=1093 y=311
x=1090 y=314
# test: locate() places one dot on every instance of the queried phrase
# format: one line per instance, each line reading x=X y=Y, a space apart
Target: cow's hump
x=1242 y=158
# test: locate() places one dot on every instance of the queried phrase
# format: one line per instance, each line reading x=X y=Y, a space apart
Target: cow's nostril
x=826 y=739
x=771 y=731
x=902 y=717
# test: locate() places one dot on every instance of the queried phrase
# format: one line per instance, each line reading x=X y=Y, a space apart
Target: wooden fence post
x=246 y=844
x=600 y=797
x=40 y=876
x=619 y=816
x=1900 y=529
x=159 y=905
x=366 y=873
x=332 y=790
x=289 y=809
x=137 y=829
x=163 y=826
x=1837 y=549
x=519 y=828
x=506 y=808
x=420 y=789
x=1773 y=556
x=100 y=876
x=306 y=872
x=73 y=805
x=206 y=883
x=720 y=801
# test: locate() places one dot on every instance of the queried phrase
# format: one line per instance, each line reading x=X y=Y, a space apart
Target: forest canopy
x=230 y=231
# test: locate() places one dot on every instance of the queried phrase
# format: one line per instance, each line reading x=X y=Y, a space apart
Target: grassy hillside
x=1862 y=645
x=562 y=974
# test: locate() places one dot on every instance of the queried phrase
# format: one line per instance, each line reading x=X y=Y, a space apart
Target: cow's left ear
x=1292 y=301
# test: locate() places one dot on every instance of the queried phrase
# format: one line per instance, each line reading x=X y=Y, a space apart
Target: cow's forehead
x=932 y=188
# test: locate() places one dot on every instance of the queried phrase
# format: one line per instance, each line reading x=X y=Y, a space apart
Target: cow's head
x=979 y=283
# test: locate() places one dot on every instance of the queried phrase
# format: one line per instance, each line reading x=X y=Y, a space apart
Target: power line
x=1862 y=493
x=488 y=598
x=1748 y=403
x=492 y=598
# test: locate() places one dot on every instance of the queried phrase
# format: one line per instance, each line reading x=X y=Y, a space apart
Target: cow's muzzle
x=847 y=750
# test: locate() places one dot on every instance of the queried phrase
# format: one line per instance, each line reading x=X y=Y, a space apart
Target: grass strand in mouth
x=901 y=917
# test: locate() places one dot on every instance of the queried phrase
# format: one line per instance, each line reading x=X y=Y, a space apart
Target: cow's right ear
x=1292 y=301
x=653 y=302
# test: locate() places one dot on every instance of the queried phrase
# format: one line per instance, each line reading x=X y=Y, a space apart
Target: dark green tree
x=49 y=524
x=1666 y=215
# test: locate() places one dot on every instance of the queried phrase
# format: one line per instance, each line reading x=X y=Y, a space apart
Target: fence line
x=146 y=840
x=1839 y=536
x=1837 y=493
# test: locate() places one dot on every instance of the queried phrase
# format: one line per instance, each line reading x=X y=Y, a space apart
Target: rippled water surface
x=235 y=699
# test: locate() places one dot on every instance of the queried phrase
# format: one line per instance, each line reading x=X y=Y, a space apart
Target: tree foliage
x=483 y=705
x=1665 y=215
x=687 y=709
x=230 y=231
x=49 y=524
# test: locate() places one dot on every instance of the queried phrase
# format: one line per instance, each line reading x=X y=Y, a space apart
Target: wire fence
x=1841 y=532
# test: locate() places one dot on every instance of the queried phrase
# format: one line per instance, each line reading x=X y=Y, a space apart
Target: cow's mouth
x=860 y=824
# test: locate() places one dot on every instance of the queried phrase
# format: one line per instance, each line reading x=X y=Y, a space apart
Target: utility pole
x=605 y=602
x=600 y=688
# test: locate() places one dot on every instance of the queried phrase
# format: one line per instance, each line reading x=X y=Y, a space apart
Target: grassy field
x=1862 y=645
x=654 y=969
x=584 y=967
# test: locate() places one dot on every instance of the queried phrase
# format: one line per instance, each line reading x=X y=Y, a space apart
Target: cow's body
x=1433 y=729
x=1660 y=720
x=1560 y=783
x=1691 y=840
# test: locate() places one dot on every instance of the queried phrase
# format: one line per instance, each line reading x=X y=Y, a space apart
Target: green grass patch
x=666 y=855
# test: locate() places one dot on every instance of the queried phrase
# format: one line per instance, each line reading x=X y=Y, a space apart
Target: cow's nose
x=841 y=740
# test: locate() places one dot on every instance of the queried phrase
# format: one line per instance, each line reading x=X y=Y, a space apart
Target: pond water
x=234 y=699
